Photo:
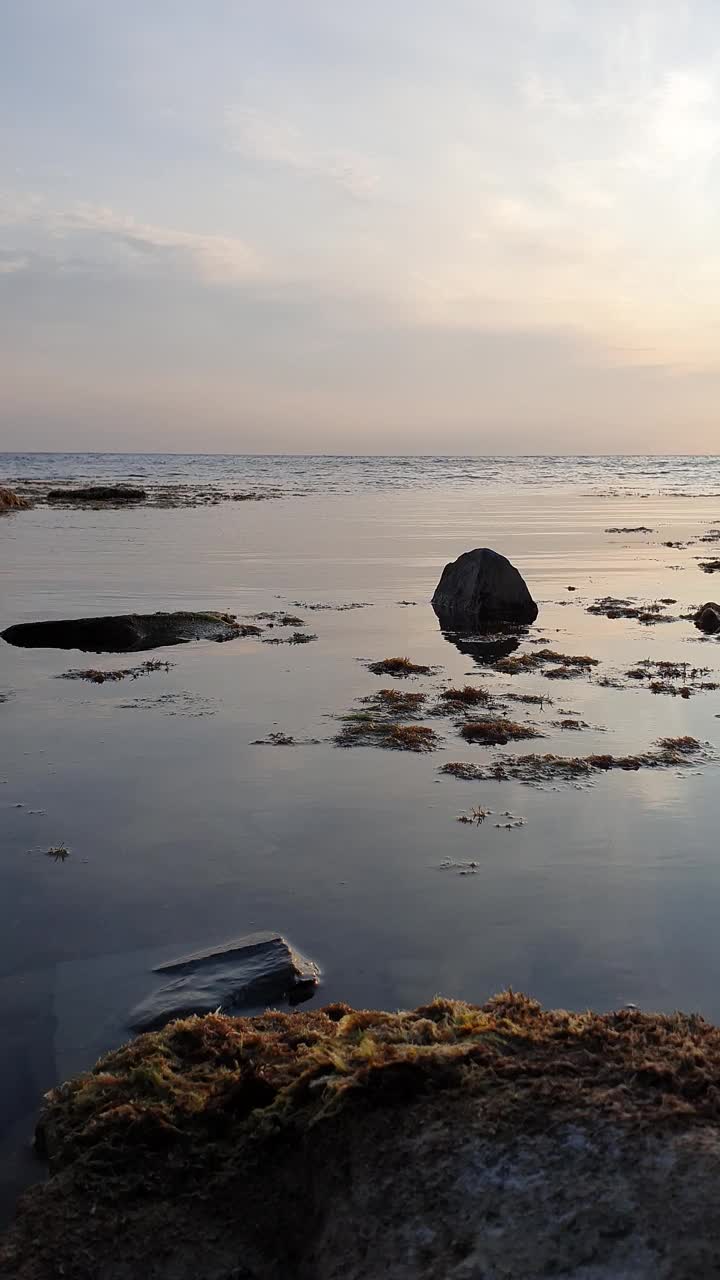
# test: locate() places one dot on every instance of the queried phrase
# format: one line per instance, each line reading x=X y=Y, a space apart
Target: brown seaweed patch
x=638 y=528
x=317 y=606
x=553 y=665
x=398 y=668
x=363 y=730
x=97 y=676
x=710 y=566
x=496 y=732
x=648 y=614
x=297 y=637
x=530 y=699
x=666 y=753
x=395 y=702
x=207 y=1084
x=279 y=739
x=676 y=679
x=467 y=696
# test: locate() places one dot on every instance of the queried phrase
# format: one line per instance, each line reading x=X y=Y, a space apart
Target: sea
x=187 y=825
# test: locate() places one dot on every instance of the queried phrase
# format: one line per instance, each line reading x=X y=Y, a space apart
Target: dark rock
x=123 y=633
x=482 y=588
x=707 y=618
x=10 y=501
x=119 y=495
x=252 y=972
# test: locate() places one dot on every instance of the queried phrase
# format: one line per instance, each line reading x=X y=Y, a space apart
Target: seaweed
x=468 y=696
x=96 y=675
x=648 y=614
x=497 y=732
x=297 y=637
x=533 y=769
x=395 y=702
x=58 y=853
x=553 y=665
x=363 y=730
x=280 y=619
x=398 y=668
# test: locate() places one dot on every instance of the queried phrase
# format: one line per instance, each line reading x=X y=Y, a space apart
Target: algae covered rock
x=500 y=1141
x=258 y=970
x=482 y=588
x=123 y=633
x=11 y=501
x=115 y=495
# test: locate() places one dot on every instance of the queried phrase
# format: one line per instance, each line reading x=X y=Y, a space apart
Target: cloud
x=214 y=259
x=282 y=145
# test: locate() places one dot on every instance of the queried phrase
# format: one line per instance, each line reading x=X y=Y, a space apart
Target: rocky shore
x=498 y=1141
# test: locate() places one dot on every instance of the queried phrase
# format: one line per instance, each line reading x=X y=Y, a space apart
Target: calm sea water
x=321 y=474
x=183 y=833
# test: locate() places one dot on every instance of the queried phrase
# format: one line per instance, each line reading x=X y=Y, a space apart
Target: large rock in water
x=252 y=972
x=707 y=618
x=123 y=633
x=482 y=588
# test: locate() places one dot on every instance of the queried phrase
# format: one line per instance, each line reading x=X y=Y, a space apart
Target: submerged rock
x=11 y=501
x=707 y=618
x=123 y=633
x=255 y=971
x=116 y=495
x=482 y=588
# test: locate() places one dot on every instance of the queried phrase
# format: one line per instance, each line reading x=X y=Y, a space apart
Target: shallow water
x=183 y=834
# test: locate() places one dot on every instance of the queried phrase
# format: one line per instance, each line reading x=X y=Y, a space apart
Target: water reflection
x=486 y=647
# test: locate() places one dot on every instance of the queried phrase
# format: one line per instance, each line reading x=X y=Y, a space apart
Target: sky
x=401 y=226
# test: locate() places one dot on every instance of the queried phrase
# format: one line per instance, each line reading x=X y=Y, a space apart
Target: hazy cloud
x=280 y=143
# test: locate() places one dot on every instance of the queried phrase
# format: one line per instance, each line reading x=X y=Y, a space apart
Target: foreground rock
x=11 y=501
x=480 y=589
x=707 y=618
x=123 y=633
x=459 y=1141
x=258 y=970
x=118 y=495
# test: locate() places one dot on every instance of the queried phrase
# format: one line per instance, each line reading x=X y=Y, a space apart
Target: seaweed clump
x=196 y=1087
x=395 y=702
x=677 y=679
x=647 y=614
x=553 y=665
x=297 y=637
x=96 y=675
x=534 y=769
x=361 y=729
x=459 y=699
x=398 y=668
x=496 y=732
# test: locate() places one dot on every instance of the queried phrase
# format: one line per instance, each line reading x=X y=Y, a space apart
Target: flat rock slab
x=482 y=588
x=255 y=971
x=123 y=633
x=107 y=495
